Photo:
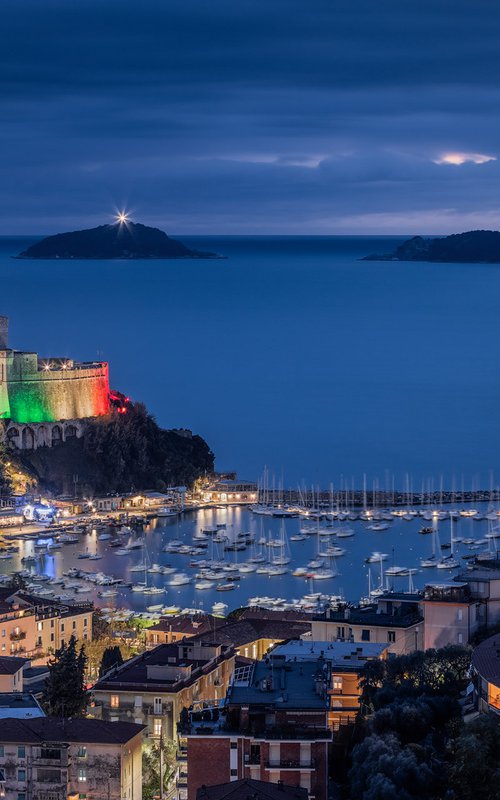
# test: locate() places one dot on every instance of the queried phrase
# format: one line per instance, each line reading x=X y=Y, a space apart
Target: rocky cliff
x=478 y=247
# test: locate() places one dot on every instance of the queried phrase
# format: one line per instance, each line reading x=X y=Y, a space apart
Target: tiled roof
x=248 y=788
x=55 y=729
x=486 y=659
x=188 y=624
x=9 y=665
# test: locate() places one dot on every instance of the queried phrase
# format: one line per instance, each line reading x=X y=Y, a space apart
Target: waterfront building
x=230 y=492
x=486 y=674
x=395 y=620
x=31 y=626
x=48 y=758
x=483 y=580
x=154 y=687
x=273 y=727
x=345 y=662
x=45 y=401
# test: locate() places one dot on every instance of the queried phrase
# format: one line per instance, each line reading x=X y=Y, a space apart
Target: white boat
x=121 y=551
x=155 y=569
x=204 y=585
x=276 y=570
x=180 y=579
x=378 y=526
x=298 y=537
x=449 y=563
x=396 y=570
x=301 y=572
x=219 y=609
x=139 y=587
x=108 y=593
x=323 y=574
x=247 y=568
x=154 y=590
x=104 y=537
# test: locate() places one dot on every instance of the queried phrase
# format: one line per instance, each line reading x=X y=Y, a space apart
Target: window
x=2 y=774
x=62 y=642
x=365 y=635
x=3 y=631
x=341 y=632
x=39 y=641
x=391 y=636
x=39 y=626
x=82 y=752
x=114 y=701
x=337 y=683
x=234 y=772
x=2 y=752
x=51 y=637
x=157 y=706
x=460 y=615
x=62 y=627
x=51 y=623
x=85 y=622
x=21 y=774
x=460 y=638
x=74 y=625
x=21 y=751
x=52 y=753
x=82 y=774
x=157 y=727
x=3 y=648
x=21 y=796
x=138 y=701
x=234 y=745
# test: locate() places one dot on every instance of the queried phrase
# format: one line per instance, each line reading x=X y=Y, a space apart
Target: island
x=121 y=240
x=473 y=247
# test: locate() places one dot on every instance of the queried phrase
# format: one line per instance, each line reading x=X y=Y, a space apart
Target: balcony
x=17 y=637
x=182 y=780
x=284 y=764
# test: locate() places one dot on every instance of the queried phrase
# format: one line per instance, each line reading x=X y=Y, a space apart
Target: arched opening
x=13 y=437
x=28 y=439
x=56 y=435
x=42 y=436
x=70 y=431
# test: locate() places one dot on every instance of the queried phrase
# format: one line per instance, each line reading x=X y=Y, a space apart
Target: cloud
x=464 y=158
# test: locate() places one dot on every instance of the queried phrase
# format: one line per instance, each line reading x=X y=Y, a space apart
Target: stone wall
x=31 y=436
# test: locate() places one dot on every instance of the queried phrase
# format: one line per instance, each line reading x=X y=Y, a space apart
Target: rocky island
x=473 y=247
x=121 y=240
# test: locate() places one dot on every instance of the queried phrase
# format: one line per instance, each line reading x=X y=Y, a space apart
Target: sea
x=291 y=354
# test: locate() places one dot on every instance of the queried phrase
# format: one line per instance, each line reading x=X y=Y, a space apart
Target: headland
x=474 y=247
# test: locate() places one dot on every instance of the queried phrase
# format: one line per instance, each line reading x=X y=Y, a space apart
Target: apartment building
x=272 y=727
x=47 y=758
x=154 y=687
x=451 y=614
x=345 y=662
x=486 y=675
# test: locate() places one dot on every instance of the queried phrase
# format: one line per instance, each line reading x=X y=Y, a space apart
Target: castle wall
x=75 y=393
x=4 y=333
x=4 y=391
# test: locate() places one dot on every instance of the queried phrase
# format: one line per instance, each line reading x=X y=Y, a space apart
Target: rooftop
x=344 y=655
x=9 y=665
x=486 y=659
x=249 y=788
x=287 y=685
x=19 y=705
x=370 y=615
x=479 y=573
x=55 y=729
x=166 y=668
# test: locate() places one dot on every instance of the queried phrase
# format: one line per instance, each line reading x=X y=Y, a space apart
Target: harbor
x=218 y=559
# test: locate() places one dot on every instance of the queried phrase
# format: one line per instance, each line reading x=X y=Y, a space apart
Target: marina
x=256 y=556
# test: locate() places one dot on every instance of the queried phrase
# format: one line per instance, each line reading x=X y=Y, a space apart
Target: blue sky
x=325 y=117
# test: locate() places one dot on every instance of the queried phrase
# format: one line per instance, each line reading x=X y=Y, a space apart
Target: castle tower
x=4 y=333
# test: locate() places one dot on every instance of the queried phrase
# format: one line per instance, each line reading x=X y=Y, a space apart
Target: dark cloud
x=250 y=116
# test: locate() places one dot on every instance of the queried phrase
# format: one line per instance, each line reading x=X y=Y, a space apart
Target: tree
x=65 y=694
x=474 y=768
x=112 y=657
x=100 y=626
x=151 y=767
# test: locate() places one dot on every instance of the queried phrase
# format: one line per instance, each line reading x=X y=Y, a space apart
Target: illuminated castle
x=44 y=402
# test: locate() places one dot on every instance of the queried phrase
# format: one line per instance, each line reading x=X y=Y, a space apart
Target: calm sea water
x=291 y=353
x=401 y=543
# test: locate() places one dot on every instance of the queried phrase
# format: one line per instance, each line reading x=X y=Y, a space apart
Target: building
x=486 y=674
x=451 y=615
x=257 y=790
x=483 y=580
x=154 y=687
x=32 y=626
x=252 y=634
x=230 y=492
x=48 y=758
x=11 y=673
x=345 y=662
x=272 y=727
x=21 y=705
x=43 y=401
x=395 y=620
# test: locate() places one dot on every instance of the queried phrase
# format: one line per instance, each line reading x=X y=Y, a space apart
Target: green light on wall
x=26 y=406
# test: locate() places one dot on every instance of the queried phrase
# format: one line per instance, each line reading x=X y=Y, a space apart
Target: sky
x=250 y=116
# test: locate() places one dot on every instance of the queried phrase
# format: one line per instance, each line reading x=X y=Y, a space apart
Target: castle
x=46 y=401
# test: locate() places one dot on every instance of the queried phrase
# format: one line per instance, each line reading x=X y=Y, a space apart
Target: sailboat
x=449 y=562
x=282 y=558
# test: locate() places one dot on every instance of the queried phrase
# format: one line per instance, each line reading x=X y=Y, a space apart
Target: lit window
x=82 y=774
x=337 y=683
x=39 y=626
x=115 y=701
x=157 y=727
x=82 y=752
x=157 y=705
